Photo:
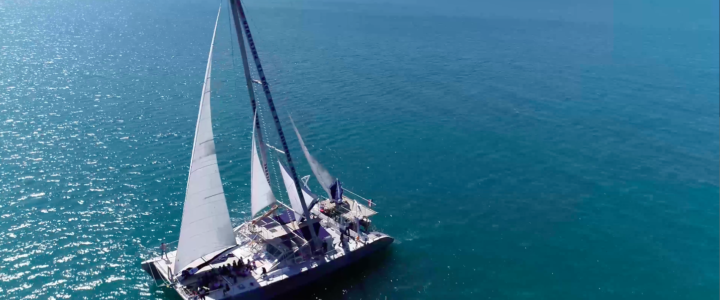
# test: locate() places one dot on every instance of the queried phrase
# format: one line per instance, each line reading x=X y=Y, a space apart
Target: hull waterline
x=283 y=286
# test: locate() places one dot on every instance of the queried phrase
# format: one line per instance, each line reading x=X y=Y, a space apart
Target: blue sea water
x=517 y=150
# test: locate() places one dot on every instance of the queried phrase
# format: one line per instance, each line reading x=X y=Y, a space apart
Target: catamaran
x=281 y=247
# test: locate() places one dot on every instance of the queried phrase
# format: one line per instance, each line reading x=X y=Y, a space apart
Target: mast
x=271 y=104
x=251 y=91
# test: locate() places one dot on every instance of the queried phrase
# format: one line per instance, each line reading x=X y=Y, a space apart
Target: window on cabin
x=273 y=251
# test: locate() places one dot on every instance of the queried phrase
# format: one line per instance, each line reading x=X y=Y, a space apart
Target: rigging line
x=272 y=166
x=249 y=19
x=232 y=47
x=277 y=180
x=271 y=105
x=277 y=81
x=259 y=31
x=248 y=80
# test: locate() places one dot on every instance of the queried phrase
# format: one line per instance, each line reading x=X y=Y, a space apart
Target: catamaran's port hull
x=291 y=283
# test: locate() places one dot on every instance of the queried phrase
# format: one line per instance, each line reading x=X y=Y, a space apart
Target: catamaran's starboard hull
x=286 y=285
x=150 y=268
x=283 y=286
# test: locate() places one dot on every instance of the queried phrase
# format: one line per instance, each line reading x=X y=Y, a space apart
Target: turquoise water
x=567 y=150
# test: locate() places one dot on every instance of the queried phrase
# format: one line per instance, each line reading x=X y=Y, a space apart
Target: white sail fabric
x=261 y=194
x=323 y=176
x=293 y=195
x=206 y=224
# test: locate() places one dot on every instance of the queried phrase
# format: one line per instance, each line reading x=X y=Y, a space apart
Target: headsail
x=261 y=194
x=293 y=195
x=327 y=181
x=206 y=224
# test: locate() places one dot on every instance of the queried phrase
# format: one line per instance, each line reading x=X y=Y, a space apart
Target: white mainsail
x=323 y=176
x=206 y=224
x=261 y=194
x=293 y=195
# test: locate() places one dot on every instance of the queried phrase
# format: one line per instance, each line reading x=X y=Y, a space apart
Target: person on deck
x=163 y=249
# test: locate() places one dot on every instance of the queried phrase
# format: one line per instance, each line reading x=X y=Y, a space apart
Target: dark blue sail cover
x=336 y=190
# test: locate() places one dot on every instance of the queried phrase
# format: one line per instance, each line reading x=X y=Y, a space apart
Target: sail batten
x=206 y=226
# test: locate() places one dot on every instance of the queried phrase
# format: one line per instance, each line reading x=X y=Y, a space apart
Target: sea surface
x=516 y=149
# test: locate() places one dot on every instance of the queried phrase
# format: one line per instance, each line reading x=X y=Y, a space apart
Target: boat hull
x=150 y=268
x=286 y=285
x=305 y=278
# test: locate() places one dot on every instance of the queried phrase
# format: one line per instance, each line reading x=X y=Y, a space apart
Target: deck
x=239 y=285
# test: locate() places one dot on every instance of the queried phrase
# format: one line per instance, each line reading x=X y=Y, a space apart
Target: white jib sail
x=293 y=195
x=261 y=194
x=206 y=224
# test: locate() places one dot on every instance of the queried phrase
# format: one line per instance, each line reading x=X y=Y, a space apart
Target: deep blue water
x=517 y=150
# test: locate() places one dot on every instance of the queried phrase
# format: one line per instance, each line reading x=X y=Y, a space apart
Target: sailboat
x=281 y=247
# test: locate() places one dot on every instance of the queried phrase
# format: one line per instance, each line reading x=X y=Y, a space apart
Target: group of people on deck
x=209 y=281
x=238 y=268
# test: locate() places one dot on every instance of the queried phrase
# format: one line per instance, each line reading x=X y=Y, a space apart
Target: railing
x=369 y=201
